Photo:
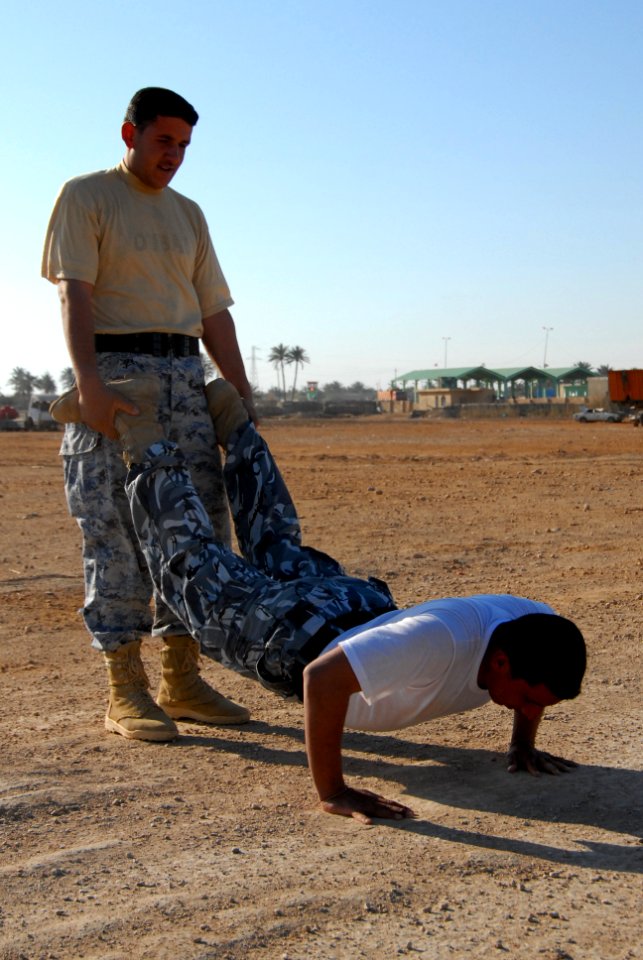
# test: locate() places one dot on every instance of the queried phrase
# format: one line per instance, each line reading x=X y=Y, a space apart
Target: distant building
x=458 y=385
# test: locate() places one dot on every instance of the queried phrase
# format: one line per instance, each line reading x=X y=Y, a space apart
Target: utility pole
x=254 y=379
x=547 y=330
x=446 y=342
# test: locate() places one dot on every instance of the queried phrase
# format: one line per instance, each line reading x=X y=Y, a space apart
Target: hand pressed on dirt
x=536 y=762
x=363 y=805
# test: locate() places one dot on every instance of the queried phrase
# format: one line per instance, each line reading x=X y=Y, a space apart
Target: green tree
x=603 y=370
x=333 y=390
x=297 y=357
x=22 y=383
x=279 y=358
x=587 y=367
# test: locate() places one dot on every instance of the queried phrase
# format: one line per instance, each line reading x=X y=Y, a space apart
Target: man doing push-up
x=289 y=615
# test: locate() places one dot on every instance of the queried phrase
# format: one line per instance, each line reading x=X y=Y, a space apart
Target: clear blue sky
x=377 y=176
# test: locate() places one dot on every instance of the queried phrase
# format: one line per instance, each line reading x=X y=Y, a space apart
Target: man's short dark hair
x=152 y=102
x=544 y=648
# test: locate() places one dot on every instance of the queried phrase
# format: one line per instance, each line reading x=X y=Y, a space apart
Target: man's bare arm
x=220 y=340
x=98 y=404
x=522 y=750
x=329 y=683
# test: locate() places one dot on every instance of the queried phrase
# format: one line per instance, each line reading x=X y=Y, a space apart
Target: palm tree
x=46 y=383
x=297 y=356
x=279 y=358
x=67 y=378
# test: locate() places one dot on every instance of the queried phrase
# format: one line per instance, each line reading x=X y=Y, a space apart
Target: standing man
x=140 y=287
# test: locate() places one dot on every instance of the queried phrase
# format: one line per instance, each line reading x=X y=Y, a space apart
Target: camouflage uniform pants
x=265 y=614
x=118 y=587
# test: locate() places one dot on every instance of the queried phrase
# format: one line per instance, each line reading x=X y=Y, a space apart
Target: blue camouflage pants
x=265 y=614
x=118 y=587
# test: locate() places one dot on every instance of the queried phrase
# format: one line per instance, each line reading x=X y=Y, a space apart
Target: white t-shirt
x=418 y=664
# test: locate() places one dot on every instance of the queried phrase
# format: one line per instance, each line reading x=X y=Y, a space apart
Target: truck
x=626 y=391
x=38 y=416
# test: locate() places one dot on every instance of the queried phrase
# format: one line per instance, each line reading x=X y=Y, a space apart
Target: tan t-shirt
x=147 y=252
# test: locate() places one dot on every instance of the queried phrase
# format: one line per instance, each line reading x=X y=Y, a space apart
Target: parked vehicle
x=8 y=418
x=38 y=416
x=589 y=415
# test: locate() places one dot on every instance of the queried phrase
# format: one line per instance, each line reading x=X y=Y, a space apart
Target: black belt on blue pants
x=153 y=344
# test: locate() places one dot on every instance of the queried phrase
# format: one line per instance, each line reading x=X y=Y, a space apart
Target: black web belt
x=312 y=648
x=152 y=344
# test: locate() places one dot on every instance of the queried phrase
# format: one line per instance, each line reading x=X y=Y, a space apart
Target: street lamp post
x=547 y=332
x=446 y=341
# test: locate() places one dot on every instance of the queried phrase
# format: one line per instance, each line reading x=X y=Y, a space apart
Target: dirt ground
x=213 y=846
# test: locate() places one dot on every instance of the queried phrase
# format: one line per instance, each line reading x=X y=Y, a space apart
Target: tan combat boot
x=136 y=432
x=226 y=409
x=184 y=694
x=131 y=711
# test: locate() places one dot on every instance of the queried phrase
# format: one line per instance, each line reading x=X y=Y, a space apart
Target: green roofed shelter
x=534 y=379
x=539 y=383
x=461 y=375
x=568 y=374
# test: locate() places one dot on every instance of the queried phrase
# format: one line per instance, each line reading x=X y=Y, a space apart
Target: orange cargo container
x=625 y=386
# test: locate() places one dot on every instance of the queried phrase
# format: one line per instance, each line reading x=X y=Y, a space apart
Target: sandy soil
x=213 y=847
